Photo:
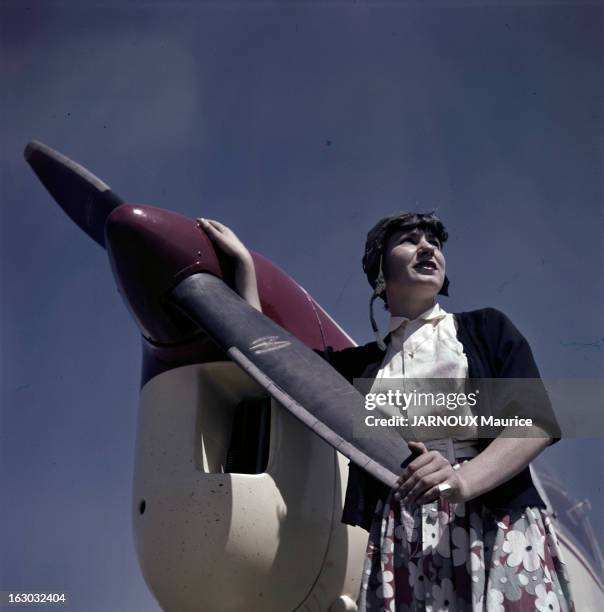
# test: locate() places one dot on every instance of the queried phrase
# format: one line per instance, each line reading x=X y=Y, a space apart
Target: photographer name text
x=449 y=420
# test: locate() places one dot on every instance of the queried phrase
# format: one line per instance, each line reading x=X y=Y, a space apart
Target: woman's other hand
x=224 y=238
x=227 y=241
x=420 y=481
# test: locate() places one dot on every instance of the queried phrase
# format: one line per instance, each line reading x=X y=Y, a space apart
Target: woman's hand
x=420 y=481
x=224 y=238
x=227 y=241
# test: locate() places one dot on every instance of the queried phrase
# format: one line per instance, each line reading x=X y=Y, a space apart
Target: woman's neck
x=408 y=307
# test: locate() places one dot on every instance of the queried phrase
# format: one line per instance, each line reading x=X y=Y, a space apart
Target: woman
x=464 y=528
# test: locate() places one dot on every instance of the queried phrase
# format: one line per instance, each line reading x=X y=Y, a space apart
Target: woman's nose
x=424 y=245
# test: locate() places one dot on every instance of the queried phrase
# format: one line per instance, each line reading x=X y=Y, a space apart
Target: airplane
x=237 y=500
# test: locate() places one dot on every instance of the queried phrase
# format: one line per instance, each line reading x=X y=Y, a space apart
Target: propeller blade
x=298 y=378
x=84 y=197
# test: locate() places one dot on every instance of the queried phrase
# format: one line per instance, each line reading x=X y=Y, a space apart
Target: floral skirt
x=454 y=557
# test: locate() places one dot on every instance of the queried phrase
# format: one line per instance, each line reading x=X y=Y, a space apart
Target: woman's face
x=413 y=261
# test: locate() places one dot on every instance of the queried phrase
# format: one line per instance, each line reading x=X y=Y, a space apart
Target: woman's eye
x=414 y=238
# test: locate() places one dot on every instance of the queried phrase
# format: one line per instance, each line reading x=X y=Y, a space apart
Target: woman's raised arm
x=245 y=274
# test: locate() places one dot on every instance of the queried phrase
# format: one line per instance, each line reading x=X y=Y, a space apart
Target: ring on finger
x=443 y=487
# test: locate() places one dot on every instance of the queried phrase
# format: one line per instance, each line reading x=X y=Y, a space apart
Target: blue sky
x=299 y=125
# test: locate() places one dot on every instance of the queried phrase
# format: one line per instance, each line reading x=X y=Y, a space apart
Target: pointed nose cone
x=84 y=197
x=151 y=250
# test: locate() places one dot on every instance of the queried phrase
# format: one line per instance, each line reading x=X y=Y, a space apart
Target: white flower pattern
x=417 y=557
x=525 y=548
x=495 y=601
x=547 y=601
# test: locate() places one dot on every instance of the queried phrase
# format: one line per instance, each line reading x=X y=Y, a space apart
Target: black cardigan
x=494 y=349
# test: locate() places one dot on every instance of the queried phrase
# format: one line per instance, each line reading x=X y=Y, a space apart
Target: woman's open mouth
x=426 y=267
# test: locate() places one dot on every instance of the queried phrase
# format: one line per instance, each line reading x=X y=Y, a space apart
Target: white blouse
x=423 y=348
